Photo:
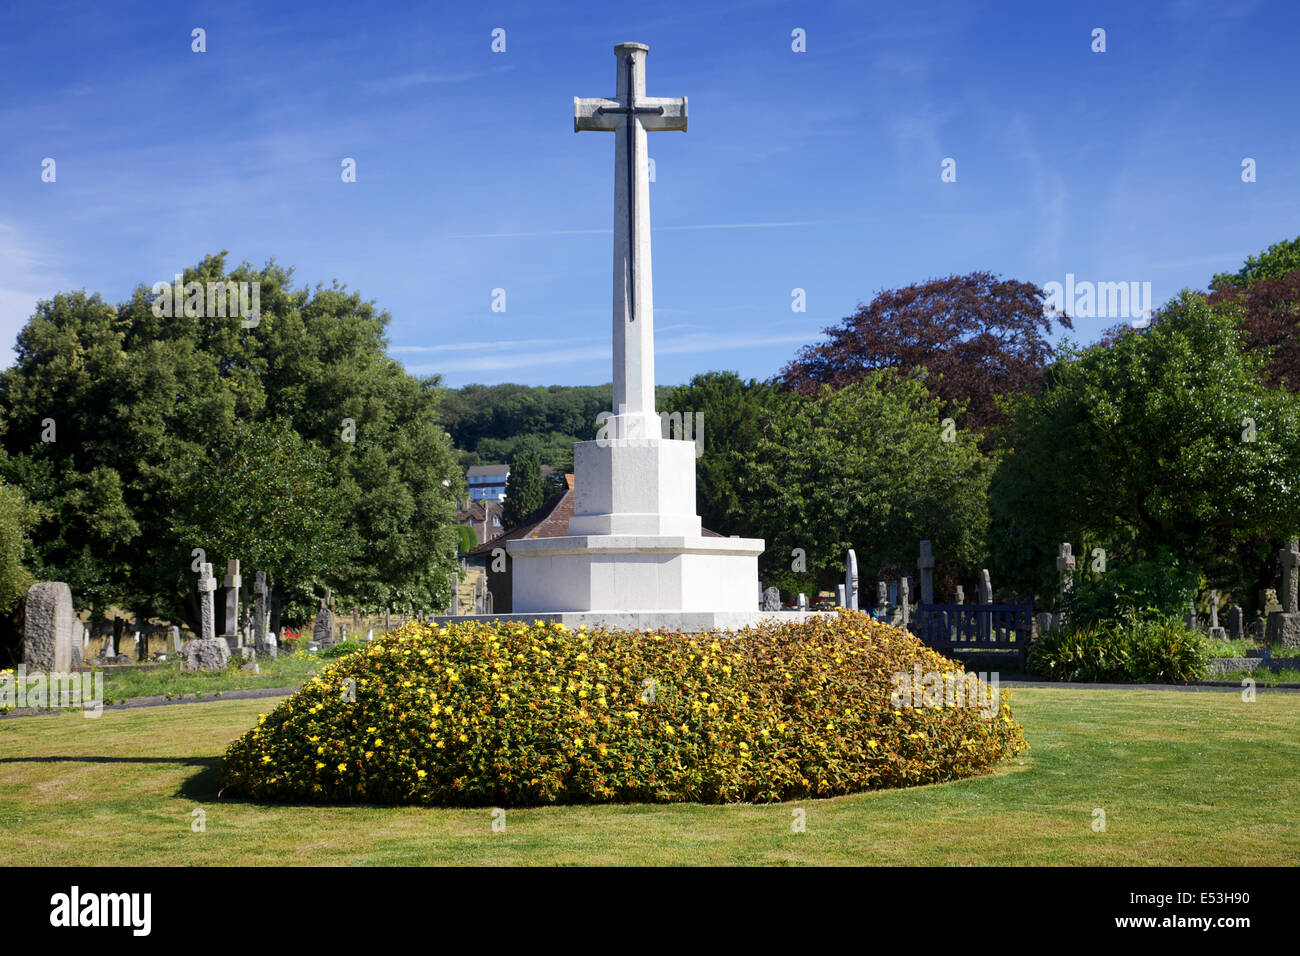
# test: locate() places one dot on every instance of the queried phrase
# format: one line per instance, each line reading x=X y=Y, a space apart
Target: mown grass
x=1183 y=778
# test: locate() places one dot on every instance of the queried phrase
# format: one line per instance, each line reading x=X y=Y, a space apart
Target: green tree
x=17 y=518
x=269 y=498
x=525 y=490
x=727 y=414
x=869 y=466
x=132 y=392
x=1163 y=442
x=1276 y=261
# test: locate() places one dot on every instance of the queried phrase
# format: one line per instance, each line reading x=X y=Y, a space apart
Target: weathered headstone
x=231 y=584
x=47 y=627
x=1190 y=618
x=839 y=595
x=803 y=601
x=772 y=599
x=1236 y=621
x=985 y=620
x=905 y=602
x=1284 y=625
x=207 y=652
x=322 y=631
x=453 y=607
x=960 y=597
x=1044 y=621
x=1065 y=565
x=109 y=651
x=926 y=563
x=851 y=580
x=175 y=645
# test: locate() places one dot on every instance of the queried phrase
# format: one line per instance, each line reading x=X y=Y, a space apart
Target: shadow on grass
x=201 y=787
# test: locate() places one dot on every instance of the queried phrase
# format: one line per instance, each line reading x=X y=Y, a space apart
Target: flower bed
x=515 y=714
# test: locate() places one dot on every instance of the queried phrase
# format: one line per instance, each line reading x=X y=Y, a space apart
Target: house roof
x=475 y=471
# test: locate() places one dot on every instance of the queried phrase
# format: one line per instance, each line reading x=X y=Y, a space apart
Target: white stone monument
x=635 y=553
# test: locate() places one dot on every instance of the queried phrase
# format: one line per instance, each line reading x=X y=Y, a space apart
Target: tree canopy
x=130 y=393
x=978 y=337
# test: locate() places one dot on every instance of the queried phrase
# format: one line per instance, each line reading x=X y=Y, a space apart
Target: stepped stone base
x=685 y=621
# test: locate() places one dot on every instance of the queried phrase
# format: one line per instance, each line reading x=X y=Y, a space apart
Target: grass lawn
x=1183 y=778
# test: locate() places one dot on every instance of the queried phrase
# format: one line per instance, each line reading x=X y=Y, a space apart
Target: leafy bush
x=1150 y=591
x=511 y=713
x=342 y=649
x=1142 y=652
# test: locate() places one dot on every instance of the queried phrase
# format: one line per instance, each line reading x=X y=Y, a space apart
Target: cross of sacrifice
x=632 y=114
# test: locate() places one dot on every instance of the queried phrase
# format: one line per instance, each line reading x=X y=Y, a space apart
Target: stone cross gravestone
x=47 y=627
x=1284 y=626
x=926 y=563
x=851 y=580
x=231 y=584
x=207 y=652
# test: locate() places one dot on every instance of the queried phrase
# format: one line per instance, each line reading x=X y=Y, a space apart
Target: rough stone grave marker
x=772 y=599
x=1284 y=625
x=1236 y=621
x=47 y=627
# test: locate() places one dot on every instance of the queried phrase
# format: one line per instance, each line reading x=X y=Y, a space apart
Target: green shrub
x=1139 y=591
x=342 y=648
x=466 y=537
x=518 y=714
x=1143 y=651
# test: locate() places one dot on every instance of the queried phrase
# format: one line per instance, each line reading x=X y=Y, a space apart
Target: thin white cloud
x=606 y=232
x=25 y=279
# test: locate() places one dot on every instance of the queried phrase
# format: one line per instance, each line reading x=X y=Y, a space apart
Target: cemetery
x=942 y=622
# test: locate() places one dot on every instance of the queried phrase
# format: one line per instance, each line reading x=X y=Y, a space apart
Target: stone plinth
x=634 y=486
x=1283 y=629
x=685 y=621
x=205 y=654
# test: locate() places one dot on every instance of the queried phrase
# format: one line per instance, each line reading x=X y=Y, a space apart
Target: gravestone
x=207 y=652
x=1215 y=630
x=1065 y=565
x=1043 y=620
x=926 y=563
x=904 y=602
x=960 y=597
x=803 y=601
x=1190 y=618
x=175 y=645
x=851 y=580
x=232 y=583
x=259 y=615
x=47 y=627
x=356 y=619
x=839 y=595
x=322 y=631
x=985 y=621
x=1284 y=625
x=453 y=606
x=772 y=599
x=109 y=650
x=1236 y=619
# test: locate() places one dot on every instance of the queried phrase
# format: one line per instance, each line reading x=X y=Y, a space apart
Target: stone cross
x=630 y=115
x=926 y=563
x=1290 y=560
x=232 y=583
x=259 y=612
x=207 y=613
x=1215 y=629
x=904 y=600
x=851 y=581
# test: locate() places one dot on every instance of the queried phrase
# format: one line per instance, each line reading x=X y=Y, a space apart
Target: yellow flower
x=422 y=774
x=342 y=767
x=872 y=744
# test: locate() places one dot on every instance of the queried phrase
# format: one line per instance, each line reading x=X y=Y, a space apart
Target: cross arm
x=672 y=117
x=587 y=114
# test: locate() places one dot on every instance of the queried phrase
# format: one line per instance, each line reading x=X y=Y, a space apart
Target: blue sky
x=817 y=170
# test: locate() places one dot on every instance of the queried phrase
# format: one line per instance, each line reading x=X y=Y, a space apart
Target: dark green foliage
x=133 y=394
x=525 y=490
x=468 y=538
x=1164 y=442
x=17 y=518
x=489 y=422
x=1127 y=592
x=1149 y=651
x=342 y=649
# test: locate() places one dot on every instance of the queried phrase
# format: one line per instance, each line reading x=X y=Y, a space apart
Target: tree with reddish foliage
x=977 y=336
x=1270 y=319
